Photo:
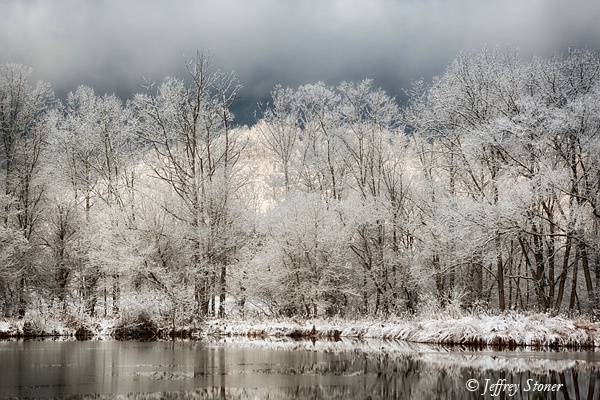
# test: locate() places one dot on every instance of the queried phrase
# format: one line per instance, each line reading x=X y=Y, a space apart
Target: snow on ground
x=10 y=328
x=509 y=329
x=504 y=330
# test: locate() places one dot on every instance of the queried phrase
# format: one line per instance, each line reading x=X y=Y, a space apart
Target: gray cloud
x=111 y=45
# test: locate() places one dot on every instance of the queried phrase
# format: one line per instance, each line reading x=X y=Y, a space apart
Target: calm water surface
x=284 y=369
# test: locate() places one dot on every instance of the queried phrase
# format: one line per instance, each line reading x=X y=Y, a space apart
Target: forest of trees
x=482 y=192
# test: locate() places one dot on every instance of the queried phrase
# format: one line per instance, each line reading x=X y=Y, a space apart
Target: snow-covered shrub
x=428 y=306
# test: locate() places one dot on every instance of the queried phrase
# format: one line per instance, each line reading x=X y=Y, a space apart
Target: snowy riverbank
x=504 y=330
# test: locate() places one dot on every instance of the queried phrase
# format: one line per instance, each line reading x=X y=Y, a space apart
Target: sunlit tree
x=188 y=126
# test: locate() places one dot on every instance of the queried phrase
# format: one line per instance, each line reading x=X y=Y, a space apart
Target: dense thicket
x=483 y=192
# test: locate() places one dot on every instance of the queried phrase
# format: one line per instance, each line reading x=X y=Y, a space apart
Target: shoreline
x=510 y=330
x=506 y=330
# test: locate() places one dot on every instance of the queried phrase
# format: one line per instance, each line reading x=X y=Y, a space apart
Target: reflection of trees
x=577 y=386
x=241 y=370
x=393 y=377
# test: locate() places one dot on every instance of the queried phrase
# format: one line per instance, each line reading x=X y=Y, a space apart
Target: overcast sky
x=111 y=45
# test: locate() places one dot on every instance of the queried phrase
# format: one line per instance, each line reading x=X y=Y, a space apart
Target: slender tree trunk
x=551 y=251
x=563 y=274
x=116 y=294
x=439 y=280
x=586 y=274
x=500 y=274
x=365 y=294
x=540 y=278
x=223 y=291
x=22 y=305
x=574 y=281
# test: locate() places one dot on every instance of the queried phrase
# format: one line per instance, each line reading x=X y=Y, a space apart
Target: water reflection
x=284 y=369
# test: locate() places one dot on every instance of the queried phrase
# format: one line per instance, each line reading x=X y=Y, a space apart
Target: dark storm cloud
x=112 y=45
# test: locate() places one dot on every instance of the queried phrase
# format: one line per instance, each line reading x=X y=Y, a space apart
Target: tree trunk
x=22 y=305
x=540 y=278
x=222 y=294
x=586 y=274
x=563 y=274
x=574 y=282
x=500 y=274
x=116 y=294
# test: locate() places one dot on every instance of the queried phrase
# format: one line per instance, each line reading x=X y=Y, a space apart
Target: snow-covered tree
x=344 y=144
x=497 y=140
x=94 y=169
x=483 y=191
x=301 y=267
x=196 y=154
x=23 y=130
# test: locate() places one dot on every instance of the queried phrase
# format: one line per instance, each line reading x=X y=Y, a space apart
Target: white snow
x=508 y=329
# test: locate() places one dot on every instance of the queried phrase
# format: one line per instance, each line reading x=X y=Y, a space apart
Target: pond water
x=285 y=369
